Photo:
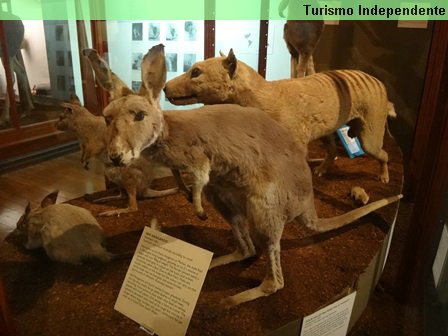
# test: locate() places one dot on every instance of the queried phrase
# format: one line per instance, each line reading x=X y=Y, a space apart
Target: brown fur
x=301 y=38
x=136 y=179
x=116 y=88
x=310 y=107
x=67 y=233
x=250 y=167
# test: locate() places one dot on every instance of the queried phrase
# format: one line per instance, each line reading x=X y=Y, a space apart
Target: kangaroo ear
x=27 y=209
x=230 y=63
x=154 y=73
x=49 y=199
x=104 y=76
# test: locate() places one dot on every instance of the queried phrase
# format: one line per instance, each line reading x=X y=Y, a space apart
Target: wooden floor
x=32 y=183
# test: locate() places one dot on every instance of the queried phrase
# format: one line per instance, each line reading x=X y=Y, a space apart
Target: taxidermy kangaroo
x=67 y=233
x=311 y=107
x=251 y=169
x=110 y=82
x=136 y=179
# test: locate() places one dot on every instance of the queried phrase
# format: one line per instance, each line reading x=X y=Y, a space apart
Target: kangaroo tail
x=327 y=224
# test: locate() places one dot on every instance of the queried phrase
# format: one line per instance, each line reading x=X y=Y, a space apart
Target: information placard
x=163 y=283
x=332 y=320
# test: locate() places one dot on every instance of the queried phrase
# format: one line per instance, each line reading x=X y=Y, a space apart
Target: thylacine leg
x=371 y=139
x=310 y=66
x=330 y=146
x=294 y=58
x=303 y=64
x=24 y=85
x=294 y=63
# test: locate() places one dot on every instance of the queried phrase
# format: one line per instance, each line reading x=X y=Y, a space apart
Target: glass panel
x=128 y=42
x=395 y=53
x=278 y=57
x=242 y=36
x=45 y=72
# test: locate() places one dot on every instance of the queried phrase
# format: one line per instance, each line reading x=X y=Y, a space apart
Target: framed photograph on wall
x=69 y=58
x=137 y=60
x=137 y=31
x=154 y=31
x=60 y=60
x=172 y=32
x=171 y=62
x=136 y=85
x=60 y=83
x=59 y=32
x=189 y=60
x=190 y=31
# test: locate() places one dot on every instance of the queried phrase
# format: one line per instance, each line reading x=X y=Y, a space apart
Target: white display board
x=332 y=320
x=163 y=283
x=441 y=256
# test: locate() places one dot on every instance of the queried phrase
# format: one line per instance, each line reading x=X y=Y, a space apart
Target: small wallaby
x=67 y=233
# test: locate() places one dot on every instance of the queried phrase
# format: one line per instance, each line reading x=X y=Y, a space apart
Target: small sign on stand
x=163 y=283
x=331 y=320
x=351 y=145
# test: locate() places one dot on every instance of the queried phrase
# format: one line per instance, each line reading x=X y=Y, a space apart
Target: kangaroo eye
x=108 y=120
x=195 y=73
x=139 y=116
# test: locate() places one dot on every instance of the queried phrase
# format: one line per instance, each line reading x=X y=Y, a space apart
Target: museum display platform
x=48 y=298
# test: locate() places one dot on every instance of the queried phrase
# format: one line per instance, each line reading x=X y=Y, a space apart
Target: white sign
x=441 y=256
x=332 y=320
x=163 y=283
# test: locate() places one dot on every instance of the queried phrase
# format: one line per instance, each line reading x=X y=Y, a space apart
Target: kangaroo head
x=24 y=220
x=208 y=82
x=69 y=117
x=133 y=124
x=134 y=121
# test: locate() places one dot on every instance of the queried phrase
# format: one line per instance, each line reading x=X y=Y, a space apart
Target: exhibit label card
x=163 y=283
x=332 y=320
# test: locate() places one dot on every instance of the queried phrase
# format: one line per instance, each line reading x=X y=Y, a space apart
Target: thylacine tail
x=391 y=110
x=327 y=224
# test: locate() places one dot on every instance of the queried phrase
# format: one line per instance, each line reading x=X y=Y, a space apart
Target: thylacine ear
x=104 y=76
x=68 y=107
x=154 y=73
x=74 y=99
x=49 y=199
x=230 y=63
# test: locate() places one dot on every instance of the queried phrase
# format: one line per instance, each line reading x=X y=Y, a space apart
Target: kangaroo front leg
x=181 y=184
x=132 y=206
